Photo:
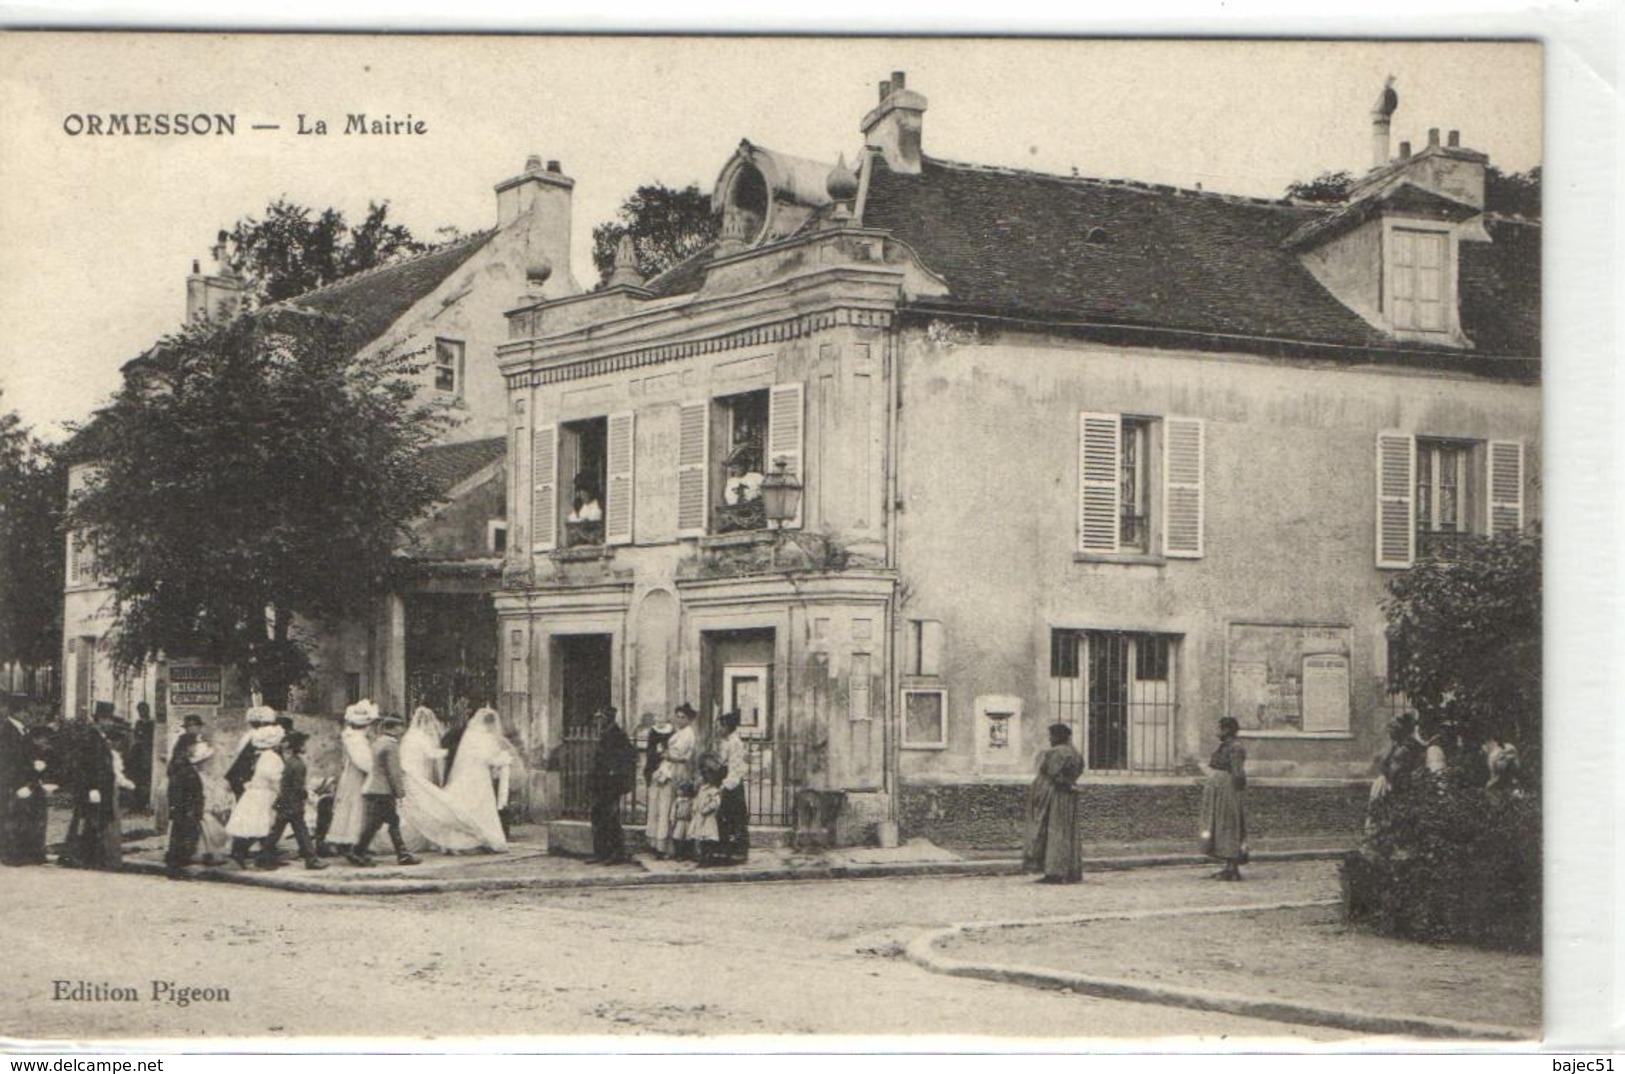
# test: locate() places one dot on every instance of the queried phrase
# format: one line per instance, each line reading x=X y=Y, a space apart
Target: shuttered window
x=544 y=508
x=1099 y=469
x=1505 y=480
x=1396 y=482
x=1115 y=472
x=1183 y=464
x=619 y=487
x=693 y=434
x=784 y=437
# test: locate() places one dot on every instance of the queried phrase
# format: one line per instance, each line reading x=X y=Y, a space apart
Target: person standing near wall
x=1052 y=812
x=733 y=815
x=614 y=770
x=1224 y=813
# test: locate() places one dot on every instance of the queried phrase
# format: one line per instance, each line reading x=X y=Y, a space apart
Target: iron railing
x=1117 y=692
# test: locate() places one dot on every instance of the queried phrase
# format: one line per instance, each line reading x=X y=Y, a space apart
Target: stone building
x=434 y=637
x=1123 y=456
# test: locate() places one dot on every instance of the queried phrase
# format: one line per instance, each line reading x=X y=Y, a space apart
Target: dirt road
x=770 y=958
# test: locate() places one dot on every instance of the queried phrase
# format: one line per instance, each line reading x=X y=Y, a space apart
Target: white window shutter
x=1184 y=461
x=73 y=559
x=1396 y=495
x=693 y=471
x=1402 y=280
x=784 y=438
x=544 y=505
x=618 y=506
x=1099 y=481
x=1506 y=487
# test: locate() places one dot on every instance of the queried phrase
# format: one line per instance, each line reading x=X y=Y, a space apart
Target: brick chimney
x=893 y=126
x=537 y=200
x=216 y=295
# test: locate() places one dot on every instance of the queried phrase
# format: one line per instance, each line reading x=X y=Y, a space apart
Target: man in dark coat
x=138 y=760
x=290 y=807
x=16 y=765
x=614 y=769
x=185 y=801
x=91 y=782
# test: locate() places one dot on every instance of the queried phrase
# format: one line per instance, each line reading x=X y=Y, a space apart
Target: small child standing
x=703 y=830
x=682 y=819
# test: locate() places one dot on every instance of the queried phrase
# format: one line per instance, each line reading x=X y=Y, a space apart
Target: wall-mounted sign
x=194 y=684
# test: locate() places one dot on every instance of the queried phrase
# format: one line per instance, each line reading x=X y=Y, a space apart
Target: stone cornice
x=787 y=328
x=858 y=587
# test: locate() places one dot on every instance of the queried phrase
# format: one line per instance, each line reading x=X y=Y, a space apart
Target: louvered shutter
x=1396 y=495
x=73 y=558
x=1183 y=463
x=1506 y=486
x=544 y=505
x=1430 y=282
x=1402 y=280
x=693 y=498
x=618 y=507
x=784 y=435
x=1099 y=477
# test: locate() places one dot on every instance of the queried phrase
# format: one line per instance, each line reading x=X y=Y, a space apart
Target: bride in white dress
x=429 y=818
x=478 y=786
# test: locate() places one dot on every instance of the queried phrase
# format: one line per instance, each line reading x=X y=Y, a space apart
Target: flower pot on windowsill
x=740 y=517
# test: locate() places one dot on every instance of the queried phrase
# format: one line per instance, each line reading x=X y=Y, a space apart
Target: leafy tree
x=292 y=249
x=32 y=484
x=1516 y=192
x=1327 y=187
x=1466 y=636
x=667 y=227
x=251 y=476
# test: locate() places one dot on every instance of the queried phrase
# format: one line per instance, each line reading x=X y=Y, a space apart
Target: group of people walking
x=697 y=806
x=1052 y=847
x=428 y=787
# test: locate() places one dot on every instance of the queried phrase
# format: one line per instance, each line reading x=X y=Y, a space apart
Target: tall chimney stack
x=1381 y=114
x=537 y=202
x=893 y=126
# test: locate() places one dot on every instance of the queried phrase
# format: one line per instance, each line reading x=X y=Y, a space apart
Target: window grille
x=1118 y=693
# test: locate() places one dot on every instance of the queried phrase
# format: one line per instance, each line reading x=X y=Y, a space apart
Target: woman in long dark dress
x=1052 y=812
x=1224 y=814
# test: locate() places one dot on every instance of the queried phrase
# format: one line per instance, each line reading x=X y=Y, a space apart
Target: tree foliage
x=1517 y=193
x=667 y=227
x=1327 y=187
x=252 y=475
x=32 y=485
x=1466 y=641
x=292 y=249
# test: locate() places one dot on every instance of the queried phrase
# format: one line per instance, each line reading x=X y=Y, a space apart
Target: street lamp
x=781 y=498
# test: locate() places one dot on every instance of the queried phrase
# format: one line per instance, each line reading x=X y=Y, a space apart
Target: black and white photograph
x=706 y=539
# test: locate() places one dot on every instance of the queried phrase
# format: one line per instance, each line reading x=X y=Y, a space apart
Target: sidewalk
x=1286 y=959
x=528 y=865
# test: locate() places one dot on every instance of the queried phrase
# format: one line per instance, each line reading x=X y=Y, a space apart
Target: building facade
x=1125 y=457
x=433 y=638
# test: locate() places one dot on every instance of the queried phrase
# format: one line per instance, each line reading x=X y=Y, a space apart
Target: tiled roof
x=686 y=276
x=377 y=298
x=449 y=465
x=1021 y=243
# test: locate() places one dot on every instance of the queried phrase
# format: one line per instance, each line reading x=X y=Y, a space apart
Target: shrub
x=1450 y=862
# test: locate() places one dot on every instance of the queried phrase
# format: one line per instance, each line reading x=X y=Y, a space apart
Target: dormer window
x=1418 y=279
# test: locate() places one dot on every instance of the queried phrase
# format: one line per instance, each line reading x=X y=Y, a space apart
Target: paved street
x=806 y=957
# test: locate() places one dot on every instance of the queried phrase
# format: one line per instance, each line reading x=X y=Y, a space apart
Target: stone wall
x=984 y=816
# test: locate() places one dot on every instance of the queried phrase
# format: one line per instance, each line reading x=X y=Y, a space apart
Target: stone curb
x=293 y=877
x=921 y=951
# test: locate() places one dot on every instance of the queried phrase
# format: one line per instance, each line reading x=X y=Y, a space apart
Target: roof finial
x=842 y=186
x=625 y=272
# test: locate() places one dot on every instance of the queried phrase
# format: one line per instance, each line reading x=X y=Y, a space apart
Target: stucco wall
x=988 y=527
x=990 y=816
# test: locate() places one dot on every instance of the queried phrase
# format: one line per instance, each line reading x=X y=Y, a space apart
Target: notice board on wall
x=1289 y=677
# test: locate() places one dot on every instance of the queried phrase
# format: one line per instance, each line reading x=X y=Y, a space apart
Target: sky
x=97 y=235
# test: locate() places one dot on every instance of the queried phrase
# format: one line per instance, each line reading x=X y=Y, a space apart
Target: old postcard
x=772 y=537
